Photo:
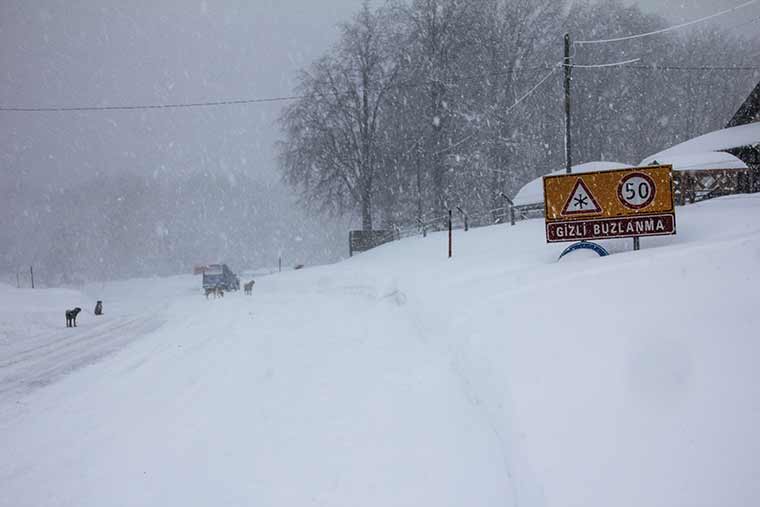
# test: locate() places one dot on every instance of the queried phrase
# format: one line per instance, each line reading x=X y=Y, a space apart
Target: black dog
x=71 y=317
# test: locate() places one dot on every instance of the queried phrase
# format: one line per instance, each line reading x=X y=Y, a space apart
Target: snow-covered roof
x=533 y=192
x=698 y=161
x=724 y=139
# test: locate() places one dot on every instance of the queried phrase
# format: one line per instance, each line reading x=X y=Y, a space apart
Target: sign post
x=450 y=234
x=625 y=203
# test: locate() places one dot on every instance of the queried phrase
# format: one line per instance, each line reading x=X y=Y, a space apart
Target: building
x=749 y=112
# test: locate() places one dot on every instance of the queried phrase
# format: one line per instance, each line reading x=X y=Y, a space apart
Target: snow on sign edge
x=533 y=191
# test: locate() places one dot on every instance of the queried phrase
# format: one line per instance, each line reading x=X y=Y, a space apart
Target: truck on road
x=220 y=276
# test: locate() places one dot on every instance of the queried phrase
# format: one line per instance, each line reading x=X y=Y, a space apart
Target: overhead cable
x=149 y=106
x=509 y=109
x=601 y=65
x=670 y=28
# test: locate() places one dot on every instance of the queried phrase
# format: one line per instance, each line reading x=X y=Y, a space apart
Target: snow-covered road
x=307 y=392
x=42 y=359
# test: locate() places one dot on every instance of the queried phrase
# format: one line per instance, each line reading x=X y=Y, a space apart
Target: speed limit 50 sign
x=609 y=204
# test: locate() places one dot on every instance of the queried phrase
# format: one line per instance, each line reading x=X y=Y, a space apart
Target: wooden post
x=449 y=234
x=464 y=215
x=422 y=226
x=279 y=262
x=31 y=274
x=511 y=208
x=18 y=281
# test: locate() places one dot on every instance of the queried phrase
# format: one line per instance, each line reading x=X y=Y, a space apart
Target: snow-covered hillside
x=401 y=377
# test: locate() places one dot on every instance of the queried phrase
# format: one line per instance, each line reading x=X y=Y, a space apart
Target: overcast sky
x=115 y=53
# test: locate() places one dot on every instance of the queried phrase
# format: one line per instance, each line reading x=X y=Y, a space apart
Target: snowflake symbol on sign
x=581 y=201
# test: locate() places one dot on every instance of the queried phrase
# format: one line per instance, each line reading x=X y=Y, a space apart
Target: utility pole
x=568 y=68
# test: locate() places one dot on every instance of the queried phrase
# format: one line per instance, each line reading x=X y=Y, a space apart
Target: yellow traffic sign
x=609 y=204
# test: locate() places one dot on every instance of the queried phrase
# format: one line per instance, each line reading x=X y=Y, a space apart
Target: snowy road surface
x=42 y=359
x=400 y=377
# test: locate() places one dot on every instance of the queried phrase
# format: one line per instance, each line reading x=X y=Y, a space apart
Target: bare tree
x=439 y=31
x=434 y=124
x=330 y=149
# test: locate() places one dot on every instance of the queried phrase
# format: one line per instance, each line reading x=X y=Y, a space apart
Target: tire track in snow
x=52 y=356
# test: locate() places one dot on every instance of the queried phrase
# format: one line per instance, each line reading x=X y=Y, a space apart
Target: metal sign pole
x=449 y=234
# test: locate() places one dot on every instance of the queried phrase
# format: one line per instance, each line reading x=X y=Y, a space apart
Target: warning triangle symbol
x=581 y=201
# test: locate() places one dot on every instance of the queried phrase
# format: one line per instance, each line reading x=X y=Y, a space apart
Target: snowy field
x=403 y=378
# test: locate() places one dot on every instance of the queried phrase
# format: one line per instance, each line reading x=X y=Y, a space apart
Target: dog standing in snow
x=249 y=287
x=71 y=317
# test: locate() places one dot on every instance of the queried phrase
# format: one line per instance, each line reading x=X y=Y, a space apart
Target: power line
x=185 y=105
x=705 y=68
x=530 y=92
x=670 y=28
x=509 y=109
x=601 y=65
x=149 y=106
x=231 y=102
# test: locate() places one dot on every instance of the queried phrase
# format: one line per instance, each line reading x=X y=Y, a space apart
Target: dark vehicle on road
x=219 y=276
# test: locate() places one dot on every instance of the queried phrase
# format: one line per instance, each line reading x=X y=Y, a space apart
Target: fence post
x=422 y=226
x=466 y=224
x=31 y=274
x=511 y=208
